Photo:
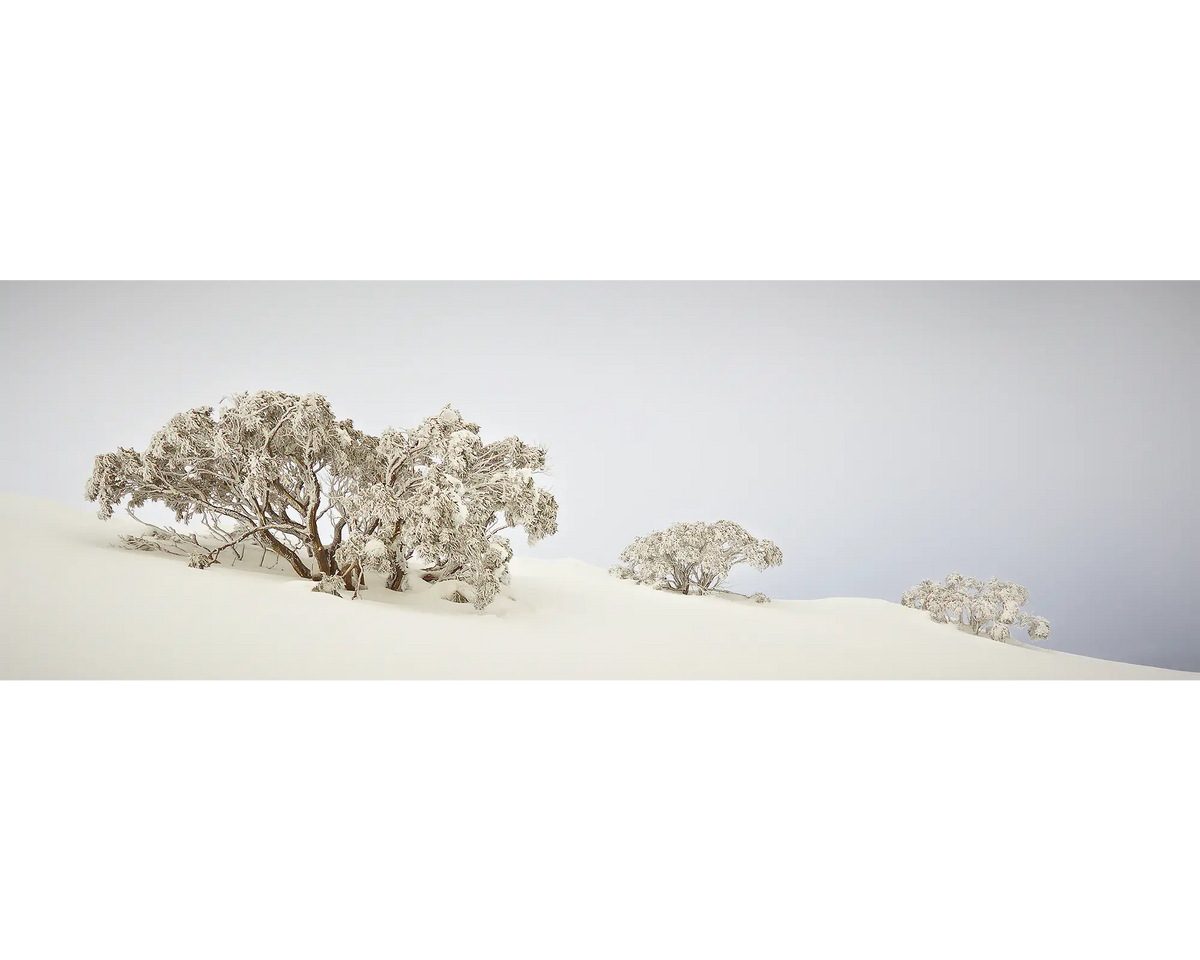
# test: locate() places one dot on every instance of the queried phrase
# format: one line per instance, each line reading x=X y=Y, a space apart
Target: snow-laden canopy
x=694 y=557
x=986 y=608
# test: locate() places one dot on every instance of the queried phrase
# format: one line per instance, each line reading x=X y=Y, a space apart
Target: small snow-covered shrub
x=985 y=608
x=329 y=584
x=279 y=470
x=693 y=557
x=760 y=598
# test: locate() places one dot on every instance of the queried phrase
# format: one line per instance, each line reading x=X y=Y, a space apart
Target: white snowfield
x=76 y=607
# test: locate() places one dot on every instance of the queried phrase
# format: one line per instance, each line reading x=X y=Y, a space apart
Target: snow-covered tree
x=439 y=493
x=281 y=471
x=986 y=608
x=693 y=557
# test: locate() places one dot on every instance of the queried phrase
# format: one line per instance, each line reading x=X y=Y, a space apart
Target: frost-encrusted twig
x=162 y=539
x=152 y=541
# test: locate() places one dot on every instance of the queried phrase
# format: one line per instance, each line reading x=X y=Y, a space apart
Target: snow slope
x=75 y=607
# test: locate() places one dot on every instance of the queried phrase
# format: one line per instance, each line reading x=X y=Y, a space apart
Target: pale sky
x=880 y=433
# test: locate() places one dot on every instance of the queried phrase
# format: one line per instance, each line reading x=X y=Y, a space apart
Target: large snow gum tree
x=281 y=471
x=986 y=608
x=694 y=557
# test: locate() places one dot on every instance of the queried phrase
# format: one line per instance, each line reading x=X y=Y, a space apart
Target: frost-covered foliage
x=693 y=557
x=986 y=608
x=760 y=598
x=281 y=471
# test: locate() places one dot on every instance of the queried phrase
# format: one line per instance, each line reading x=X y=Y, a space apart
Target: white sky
x=879 y=433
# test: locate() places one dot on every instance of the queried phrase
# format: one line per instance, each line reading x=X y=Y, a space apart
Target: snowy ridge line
x=105 y=613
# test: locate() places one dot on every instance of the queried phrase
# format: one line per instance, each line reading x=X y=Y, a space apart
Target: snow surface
x=76 y=607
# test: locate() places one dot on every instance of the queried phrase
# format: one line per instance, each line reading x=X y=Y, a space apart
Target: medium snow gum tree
x=987 y=608
x=279 y=470
x=694 y=558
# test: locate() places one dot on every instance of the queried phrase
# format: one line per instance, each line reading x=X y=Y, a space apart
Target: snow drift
x=74 y=606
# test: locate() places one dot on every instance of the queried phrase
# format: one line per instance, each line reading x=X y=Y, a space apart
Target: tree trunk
x=445 y=573
x=288 y=554
x=337 y=537
x=395 y=578
x=325 y=563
